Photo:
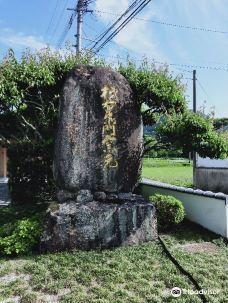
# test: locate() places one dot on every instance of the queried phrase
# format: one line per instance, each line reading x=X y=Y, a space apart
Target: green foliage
x=19 y=238
x=162 y=99
x=29 y=103
x=193 y=132
x=29 y=92
x=157 y=89
x=169 y=210
x=220 y=122
x=155 y=149
x=30 y=170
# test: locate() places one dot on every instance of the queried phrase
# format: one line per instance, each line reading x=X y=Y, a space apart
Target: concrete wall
x=3 y=162
x=213 y=179
x=207 y=162
x=207 y=209
x=211 y=174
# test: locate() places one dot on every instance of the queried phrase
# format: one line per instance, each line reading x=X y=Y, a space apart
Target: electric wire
x=202 y=88
x=222 y=67
x=66 y=30
x=123 y=24
x=52 y=18
x=59 y=20
x=214 y=68
x=102 y=35
x=181 y=26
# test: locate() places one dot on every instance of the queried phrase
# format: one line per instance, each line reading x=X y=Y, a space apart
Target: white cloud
x=111 y=6
x=137 y=36
x=20 y=41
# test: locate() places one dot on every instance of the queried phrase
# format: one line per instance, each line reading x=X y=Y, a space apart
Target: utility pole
x=80 y=10
x=80 y=7
x=194 y=91
x=194 y=110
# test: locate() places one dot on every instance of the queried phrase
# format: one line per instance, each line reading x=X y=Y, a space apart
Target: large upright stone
x=99 y=138
x=96 y=166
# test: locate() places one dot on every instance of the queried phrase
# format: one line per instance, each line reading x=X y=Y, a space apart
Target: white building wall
x=211 y=163
x=207 y=209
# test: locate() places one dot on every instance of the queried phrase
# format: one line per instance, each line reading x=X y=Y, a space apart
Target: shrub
x=30 y=170
x=19 y=238
x=170 y=211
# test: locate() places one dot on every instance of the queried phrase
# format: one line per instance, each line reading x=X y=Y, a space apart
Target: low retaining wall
x=4 y=192
x=205 y=208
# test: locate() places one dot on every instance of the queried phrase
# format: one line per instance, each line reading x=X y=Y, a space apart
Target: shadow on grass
x=12 y=213
x=191 y=232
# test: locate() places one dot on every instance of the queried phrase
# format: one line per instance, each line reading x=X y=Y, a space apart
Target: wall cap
x=199 y=192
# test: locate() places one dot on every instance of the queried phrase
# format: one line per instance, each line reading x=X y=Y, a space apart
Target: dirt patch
x=13 y=277
x=199 y=247
x=53 y=298
x=11 y=300
x=166 y=292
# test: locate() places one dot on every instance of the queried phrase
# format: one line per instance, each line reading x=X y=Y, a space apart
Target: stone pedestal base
x=97 y=225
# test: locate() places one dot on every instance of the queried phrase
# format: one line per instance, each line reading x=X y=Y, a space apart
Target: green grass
x=138 y=274
x=176 y=172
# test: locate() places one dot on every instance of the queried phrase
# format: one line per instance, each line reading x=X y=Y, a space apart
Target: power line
x=59 y=19
x=184 y=66
x=174 y=64
x=102 y=35
x=202 y=87
x=113 y=42
x=184 y=70
x=124 y=23
x=178 y=66
x=138 y=9
x=67 y=28
x=52 y=17
x=181 y=26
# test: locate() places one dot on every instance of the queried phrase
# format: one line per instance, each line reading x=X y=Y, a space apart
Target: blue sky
x=27 y=24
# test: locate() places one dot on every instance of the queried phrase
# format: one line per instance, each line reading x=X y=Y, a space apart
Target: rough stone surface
x=99 y=196
x=97 y=225
x=79 y=161
x=124 y=196
x=112 y=198
x=97 y=161
x=64 y=195
x=84 y=195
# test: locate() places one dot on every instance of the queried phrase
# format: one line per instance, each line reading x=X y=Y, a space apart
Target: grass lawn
x=177 y=172
x=138 y=274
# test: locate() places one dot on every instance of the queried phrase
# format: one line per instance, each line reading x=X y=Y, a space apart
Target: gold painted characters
x=110 y=98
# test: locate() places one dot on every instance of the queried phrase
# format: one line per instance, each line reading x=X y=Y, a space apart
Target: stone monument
x=97 y=161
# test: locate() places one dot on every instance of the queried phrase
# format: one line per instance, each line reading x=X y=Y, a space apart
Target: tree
x=162 y=101
x=30 y=90
x=220 y=122
x=29 y=93
x=155 y=90
x=191 y=131
x=29 y=101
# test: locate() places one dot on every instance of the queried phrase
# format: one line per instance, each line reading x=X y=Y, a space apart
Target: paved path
x=4 y=192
